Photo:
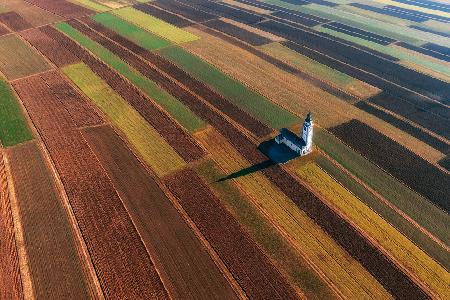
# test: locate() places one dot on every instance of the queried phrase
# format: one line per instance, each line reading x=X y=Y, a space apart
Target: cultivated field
x=138 y=157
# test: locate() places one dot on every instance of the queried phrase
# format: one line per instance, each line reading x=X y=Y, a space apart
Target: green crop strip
x=130 y=31
x=13 y=125
x=256 y=105
x=174 y=107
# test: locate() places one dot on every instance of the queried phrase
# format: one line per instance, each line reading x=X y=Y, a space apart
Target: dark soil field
x=171 y=131
x=184 y=10
x=163 y=15
x=409 y=168
x=9 y=263
x=299 y=18
x=187 y=269
x=120 y=259
x=14 y=21
x=62 y=8
x=245 y=260
x=51 y=49
x=437 y=48
x=237 y=32
x=55 y=265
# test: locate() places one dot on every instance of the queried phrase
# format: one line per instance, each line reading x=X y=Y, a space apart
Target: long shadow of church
x=276 y=154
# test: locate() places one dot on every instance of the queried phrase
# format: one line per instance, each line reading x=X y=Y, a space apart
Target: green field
x=263 y=232
x=387 y=213
x=256 y=105
x=418 y=208
x=149 y=144
x=155 y=25
x=13 y=125
x=174 y=107
x=130 y=31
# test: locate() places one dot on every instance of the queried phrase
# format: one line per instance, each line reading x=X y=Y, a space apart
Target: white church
x=302 y=144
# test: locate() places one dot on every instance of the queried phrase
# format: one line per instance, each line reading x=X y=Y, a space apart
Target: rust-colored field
x=9 y=264
x=172 y=132
x=55 y=264
x=252 y=269
x=185 y=266
x=14 y=21
x=51 y=49
x=121 y=261
x=33 y=14
x=62 y=8
x=216 y=100
x=3 y=30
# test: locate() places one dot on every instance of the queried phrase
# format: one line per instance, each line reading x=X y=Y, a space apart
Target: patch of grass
x=412 y=257
x=155 y=25
x=263 y=232
x=418 y=208
x=149 y=144
x=175 y=108
x=13 y=125
x=256 y=105
x=130 y=31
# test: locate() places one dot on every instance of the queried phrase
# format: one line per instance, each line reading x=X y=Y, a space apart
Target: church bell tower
x=307 y=133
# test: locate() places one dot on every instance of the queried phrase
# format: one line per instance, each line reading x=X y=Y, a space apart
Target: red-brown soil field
x=62 y=8
x=14 y=21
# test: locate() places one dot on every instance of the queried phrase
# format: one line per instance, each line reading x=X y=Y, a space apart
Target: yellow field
x=91 y=5
x=297 y=95
x=157 y=26
x=149 y=144
x=345 y=273
x=401 y=248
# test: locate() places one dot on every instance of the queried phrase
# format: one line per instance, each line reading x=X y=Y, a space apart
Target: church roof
x=292 y=137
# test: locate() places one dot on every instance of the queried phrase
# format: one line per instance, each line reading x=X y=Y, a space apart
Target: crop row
x=49 y=240
x=14 y=21
x=345 y=274
x=408 y=254
x=9 y=270
x=159 y=120
x=117 y=252
x=255 y=273
x=62 y=8
x=403 y=164
x=242 y=118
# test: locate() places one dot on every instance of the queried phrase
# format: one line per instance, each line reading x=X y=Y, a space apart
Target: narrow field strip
x=130 y=31
x=17 y=59
x=345 y=273
x=174 y=107
x=120 y=259
x=251 y=102
x=153 y=148
x=91 y=5
x=414 y=205
x=13 y=125
x=10 y=278
x=185 y=266
x=55 y=264
x=49 y=48
x=251 y=268
x=157 y=26
x=273 y=243
x=409 y=255
x=405 y=226
x=169 y=81
x=62 y=8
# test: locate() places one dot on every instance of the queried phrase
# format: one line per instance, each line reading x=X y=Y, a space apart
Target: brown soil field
x=56 y=53
x=3 y=30
x=120 y=259
x=293 y=93
x=185 y=266
x=171 y=131
x=33 y=14
x=17 y=59
x=62 y=8
x=53 y=259
x=9 y=264
x=216 y=100
x=14 y=21
x=249 y=265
